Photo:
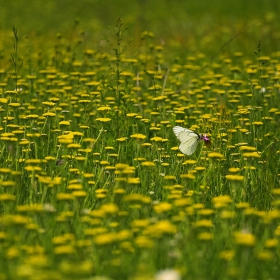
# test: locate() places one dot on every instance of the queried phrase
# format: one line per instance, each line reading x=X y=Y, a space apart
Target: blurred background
x=187 y=25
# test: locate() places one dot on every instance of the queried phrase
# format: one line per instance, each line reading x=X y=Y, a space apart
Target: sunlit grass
x=92 y=182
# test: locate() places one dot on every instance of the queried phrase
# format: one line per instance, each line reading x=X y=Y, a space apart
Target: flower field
x=92 y=183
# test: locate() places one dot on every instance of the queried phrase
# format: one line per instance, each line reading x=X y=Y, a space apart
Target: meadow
x=92 y=183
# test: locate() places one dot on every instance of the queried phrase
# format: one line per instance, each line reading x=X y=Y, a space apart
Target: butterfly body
x=189 y=139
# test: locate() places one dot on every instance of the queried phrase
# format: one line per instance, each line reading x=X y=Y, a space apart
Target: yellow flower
x=146 y=144
x=93 y=83
x=7 y=183
x=131 y=115
x=265 y=255
x=252 y=155
x=242 y=205
x=66 y=139
x=84 y=101
x=50 y=158
x=5 y=170
x=54 y=99
x=32 y=116
x=264 y=58
x=162 y=207
x=9 y=139
x=3 y=235
x=11 y=92
x=257 y=123
x=104 y=108
x=205 y=236
x=181 y=202
x=134 y=181
x=124 y=235
x=49 y=114
x=187 y=176
x=199 y=168
x=103 y=119
x=162 y=227
x=32 y=168
x=64 y=123
x=227 y=214
x=48 y=103
x=7 y=197
x=148 y=164
x=101 y=193
x=24 y=142
x=12 y=253
x=190 y=162
x=271 y=215
x=169 y=177
x=250 y=167
x=14 y=220
x=34 y=161
x=110 y=208
x=245 y=239
x=50 y=181
x=18 y=132
x=276 y=191
x=140 y=223
x=122 y=139
x=3 y=100
x=271 y=243
x=105 y=238
x=138 y=136
x=64 y=196
x=104 y=162
x=247 y=148
x=73 y=146
x=128 y=170
x=98 y=213
x=75 y=186
x=30 y=208
x=215 y=155
x=221 y=201
x=144 y=242
x=137 y=198
x=64 y=250
x=205 y=212
x=121 y=166
x=139 y=159
x=235 y=177
x=79 y=193
x=157 y=139
x=227 y=255
x=155 y=87
x=203 y=223
x=234 y=170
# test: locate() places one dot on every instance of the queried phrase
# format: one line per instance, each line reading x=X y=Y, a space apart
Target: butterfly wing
x=178 y=129
x=189 y=139
x=189 y=147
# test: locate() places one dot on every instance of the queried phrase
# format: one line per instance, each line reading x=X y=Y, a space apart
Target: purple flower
x=204 y=137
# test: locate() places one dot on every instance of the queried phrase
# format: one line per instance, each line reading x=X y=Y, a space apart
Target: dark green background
x=189 y=25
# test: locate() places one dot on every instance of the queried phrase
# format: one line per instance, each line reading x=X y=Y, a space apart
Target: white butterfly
x=189 y=139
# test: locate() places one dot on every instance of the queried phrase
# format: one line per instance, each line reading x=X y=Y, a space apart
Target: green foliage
x=92 y=184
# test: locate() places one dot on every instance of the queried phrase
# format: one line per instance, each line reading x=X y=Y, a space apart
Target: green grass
x=92 y=184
